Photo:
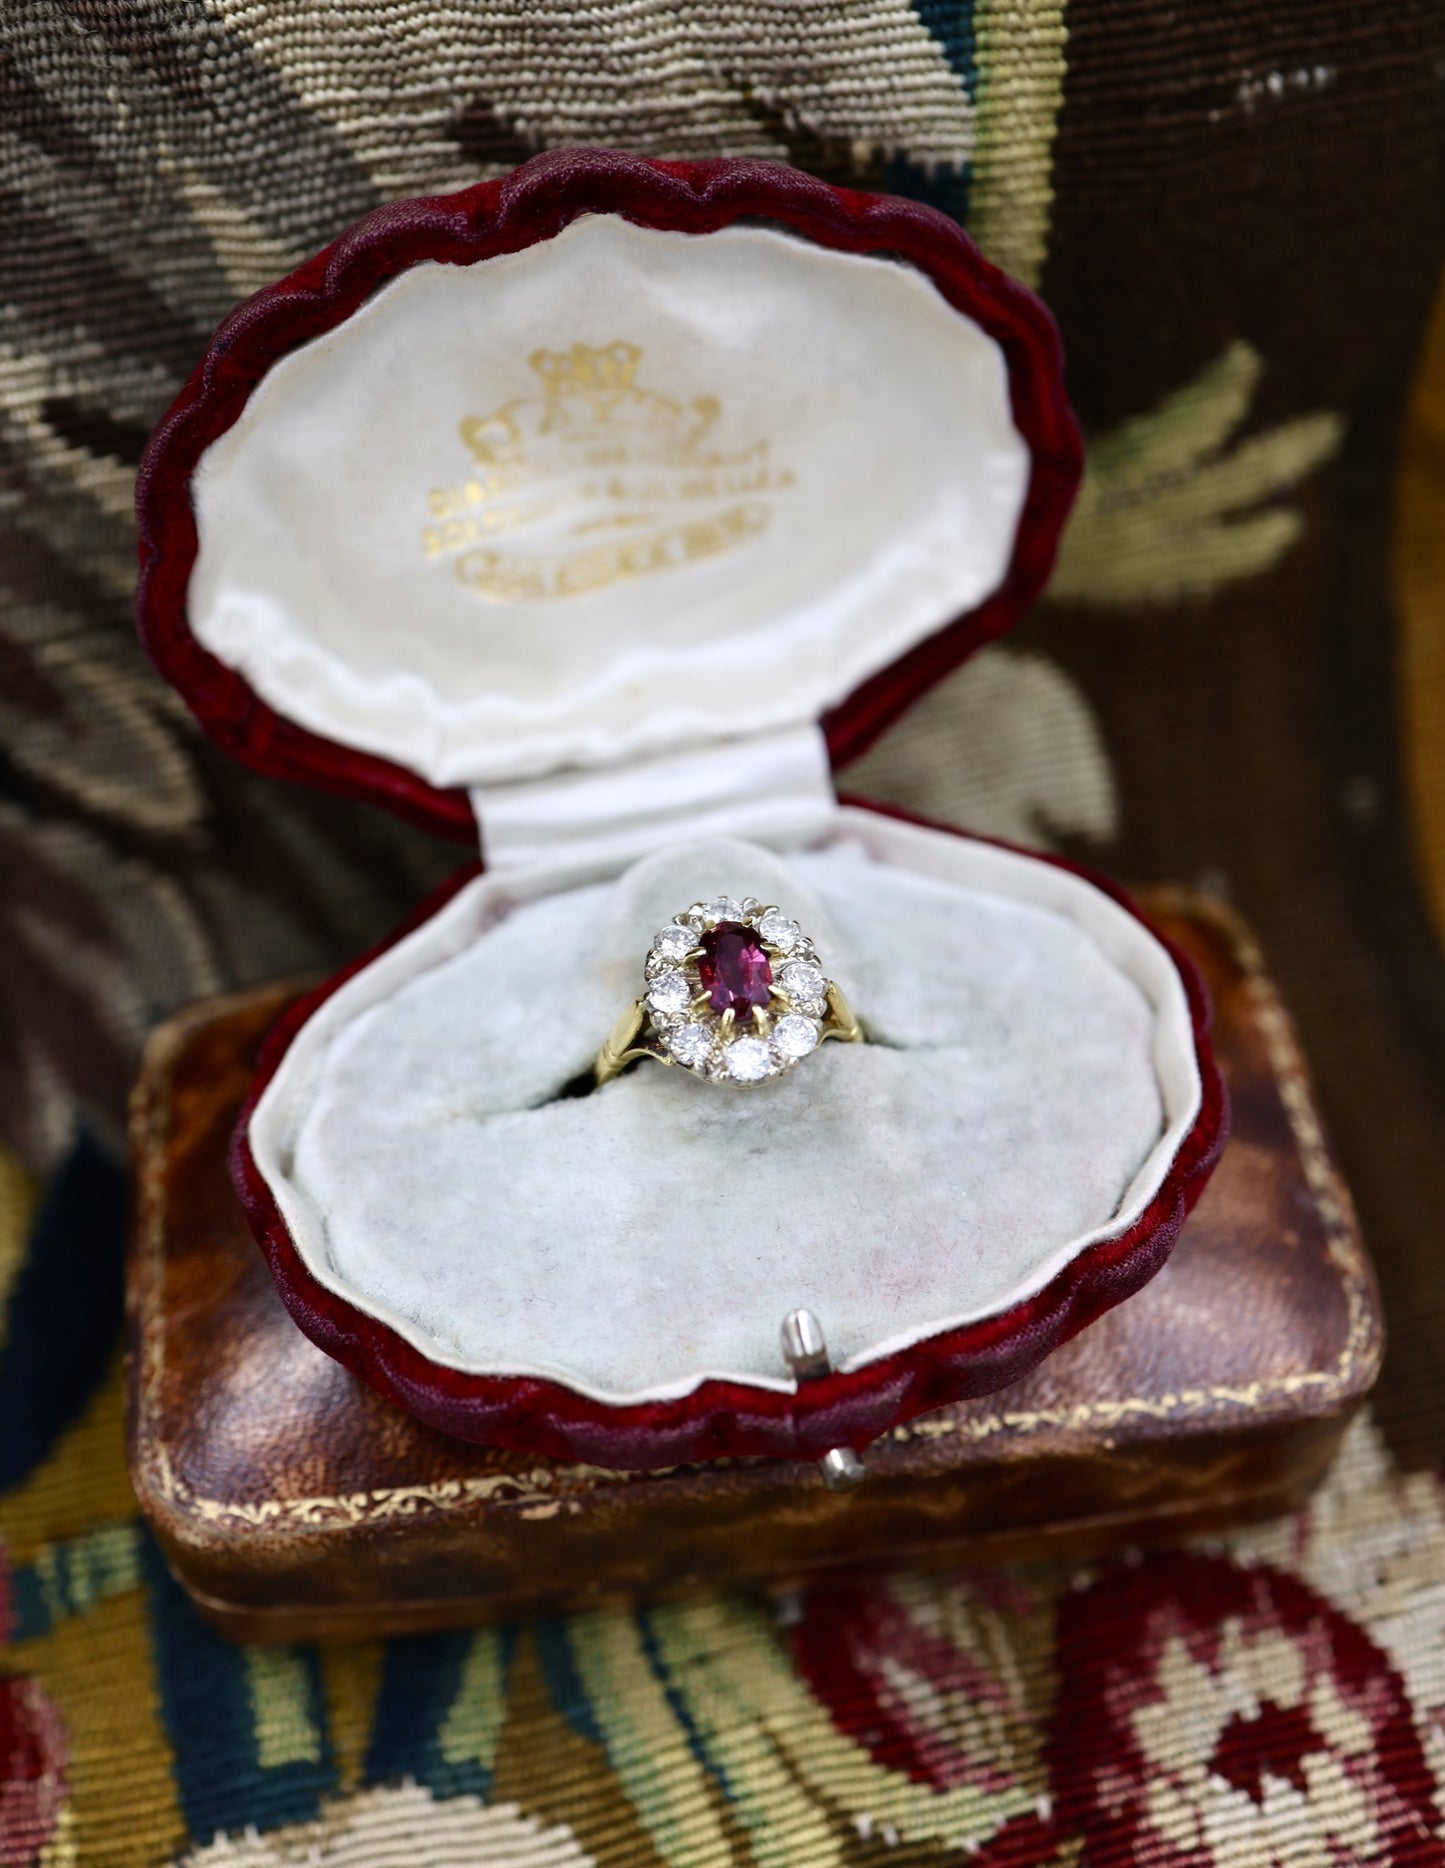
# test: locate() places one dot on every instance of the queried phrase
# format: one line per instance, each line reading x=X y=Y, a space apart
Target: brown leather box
x=294 y=1503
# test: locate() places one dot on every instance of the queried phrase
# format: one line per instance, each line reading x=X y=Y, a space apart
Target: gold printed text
x=593 y=480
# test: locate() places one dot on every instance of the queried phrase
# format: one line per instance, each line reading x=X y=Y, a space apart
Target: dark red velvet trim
x=733 y=1418
x=532 y=204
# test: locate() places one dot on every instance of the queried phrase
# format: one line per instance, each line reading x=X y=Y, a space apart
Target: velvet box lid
x=596 y=513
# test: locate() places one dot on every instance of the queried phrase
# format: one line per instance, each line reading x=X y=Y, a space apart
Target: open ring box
x=593 y=516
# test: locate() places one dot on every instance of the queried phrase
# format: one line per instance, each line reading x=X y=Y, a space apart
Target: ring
x=735 y=993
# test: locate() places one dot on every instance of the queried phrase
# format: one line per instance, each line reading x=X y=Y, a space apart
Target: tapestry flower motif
x=1213 y=1714
x=34 y=1809
x=926 y=1678
x=32 y=1790
x=405 y=1820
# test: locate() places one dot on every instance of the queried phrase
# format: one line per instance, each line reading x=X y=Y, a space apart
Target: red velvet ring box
x=593 y=516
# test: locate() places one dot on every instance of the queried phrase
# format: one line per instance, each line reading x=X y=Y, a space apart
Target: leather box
x=294 y=1502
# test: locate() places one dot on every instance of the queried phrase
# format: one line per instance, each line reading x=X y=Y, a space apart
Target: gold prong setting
x=745 y=1041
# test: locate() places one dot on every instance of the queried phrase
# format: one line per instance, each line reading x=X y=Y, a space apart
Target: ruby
x=734 y=970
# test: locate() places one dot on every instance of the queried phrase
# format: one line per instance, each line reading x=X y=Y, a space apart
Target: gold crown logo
x=590 y=477
x=590 y=394
x=584 y=370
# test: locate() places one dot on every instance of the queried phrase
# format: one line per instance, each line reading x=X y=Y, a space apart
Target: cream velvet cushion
x=1029 y=1075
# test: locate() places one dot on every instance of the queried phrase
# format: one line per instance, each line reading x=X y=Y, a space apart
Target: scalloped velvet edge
x=733 y=1419
x=532 y=204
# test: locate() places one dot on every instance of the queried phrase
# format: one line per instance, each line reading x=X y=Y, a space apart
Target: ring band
x=735 y=993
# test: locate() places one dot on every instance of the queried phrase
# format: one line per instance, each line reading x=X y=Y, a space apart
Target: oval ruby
x=734 y=970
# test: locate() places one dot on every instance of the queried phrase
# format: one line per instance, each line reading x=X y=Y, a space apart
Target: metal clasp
x=805 y=1350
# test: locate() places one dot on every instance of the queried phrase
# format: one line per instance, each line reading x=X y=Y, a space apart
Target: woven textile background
x=1237 y=680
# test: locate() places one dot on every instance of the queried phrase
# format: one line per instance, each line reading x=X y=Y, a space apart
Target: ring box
x=595 y=514
x=295 y=1503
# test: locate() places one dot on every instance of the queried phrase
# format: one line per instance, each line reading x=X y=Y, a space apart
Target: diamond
x=780 y=930
x=722 y=908
x=734 y=971
x=690 y=1044
x=746 y=1060
x=669 y=993
x=795 y=1036
x=802 y=982
x=673 y=942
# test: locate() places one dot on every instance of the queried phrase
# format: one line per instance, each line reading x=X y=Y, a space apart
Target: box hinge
x=774 y=787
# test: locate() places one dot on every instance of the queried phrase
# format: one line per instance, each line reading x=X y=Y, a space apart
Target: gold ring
x=735 y=993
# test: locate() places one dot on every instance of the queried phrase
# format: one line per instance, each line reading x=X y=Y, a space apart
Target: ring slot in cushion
x=1029 y=1076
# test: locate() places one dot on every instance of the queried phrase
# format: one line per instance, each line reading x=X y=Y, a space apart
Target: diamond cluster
x=735 y=990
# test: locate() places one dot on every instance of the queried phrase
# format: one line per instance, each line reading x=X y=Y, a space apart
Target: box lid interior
x=463 y=511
